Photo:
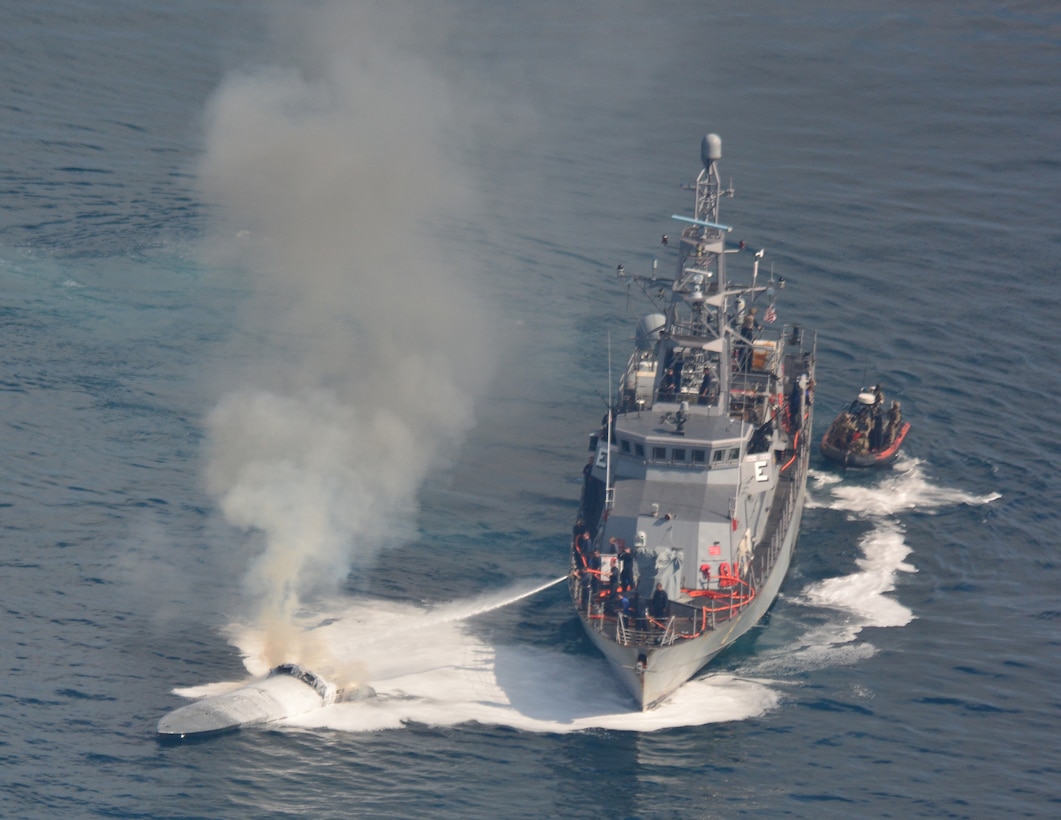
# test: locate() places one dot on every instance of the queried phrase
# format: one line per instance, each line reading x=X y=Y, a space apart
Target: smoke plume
x=361 y=349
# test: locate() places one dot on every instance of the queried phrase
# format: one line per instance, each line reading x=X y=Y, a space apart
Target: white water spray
x=426 y=665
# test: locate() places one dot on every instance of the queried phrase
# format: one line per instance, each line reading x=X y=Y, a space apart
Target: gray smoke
x=361 y=350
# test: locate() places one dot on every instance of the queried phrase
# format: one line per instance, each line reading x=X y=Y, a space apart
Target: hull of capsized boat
x=288 y=692
x=257 y=703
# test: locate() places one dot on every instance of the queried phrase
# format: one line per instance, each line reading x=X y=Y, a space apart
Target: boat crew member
x=749 y=330
x=750 y=326
x=876 y=434
x=660 y=606
x=587 y=589
x=895 y=419
x=795 y=406
x=845 y=431
x=666 y=386
x=705 y=387
x=582 y=545
x=626 y=569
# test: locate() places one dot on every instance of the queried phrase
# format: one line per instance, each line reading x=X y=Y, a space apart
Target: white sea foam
x=428 y=666
x=454 y=678
x=863 y=593
x=858 y=600
x=559 y=695
x=904 y=487
x=862 y=598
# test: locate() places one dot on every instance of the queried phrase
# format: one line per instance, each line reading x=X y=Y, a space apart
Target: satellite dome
x=649 y=330
x=711 y=149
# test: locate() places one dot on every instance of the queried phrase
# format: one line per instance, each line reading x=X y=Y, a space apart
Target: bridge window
x=699 y=457
x=678 y=454
x=639 y=450
x=659 y=453
x=624 y=445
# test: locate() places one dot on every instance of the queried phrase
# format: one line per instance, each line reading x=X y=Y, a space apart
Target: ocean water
x=306 y=315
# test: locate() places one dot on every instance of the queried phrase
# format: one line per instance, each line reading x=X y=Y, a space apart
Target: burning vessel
x=288 y=691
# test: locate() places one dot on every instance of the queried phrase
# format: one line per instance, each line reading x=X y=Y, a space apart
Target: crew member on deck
x=626 y=569
x=594 y=569
x=795 y=406
x=669 y=386
x=705 y=387
x=660 y=606
x=749 y=330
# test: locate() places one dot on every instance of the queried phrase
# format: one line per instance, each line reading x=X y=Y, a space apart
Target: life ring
x=727 y=576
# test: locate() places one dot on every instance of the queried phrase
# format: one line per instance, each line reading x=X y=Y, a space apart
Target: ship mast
x=701 y=278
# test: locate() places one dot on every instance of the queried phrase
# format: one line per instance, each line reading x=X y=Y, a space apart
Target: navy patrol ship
x=691 y=503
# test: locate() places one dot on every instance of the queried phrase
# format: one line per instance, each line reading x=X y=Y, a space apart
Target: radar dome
x=649 y=330
x=711 y=149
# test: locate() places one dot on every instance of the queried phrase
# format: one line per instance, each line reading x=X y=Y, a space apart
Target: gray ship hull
x=667 y=668
x=692 y=501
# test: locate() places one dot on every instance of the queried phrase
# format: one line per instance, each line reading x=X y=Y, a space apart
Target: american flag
x=770 y=316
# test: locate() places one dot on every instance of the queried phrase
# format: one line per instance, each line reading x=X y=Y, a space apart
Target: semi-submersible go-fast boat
x=692 y=501
x=288 y=691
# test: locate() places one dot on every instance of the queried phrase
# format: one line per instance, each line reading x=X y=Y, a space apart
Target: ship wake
x=836 y=611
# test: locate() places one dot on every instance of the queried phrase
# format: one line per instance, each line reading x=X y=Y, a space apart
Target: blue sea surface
x=320 y=297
